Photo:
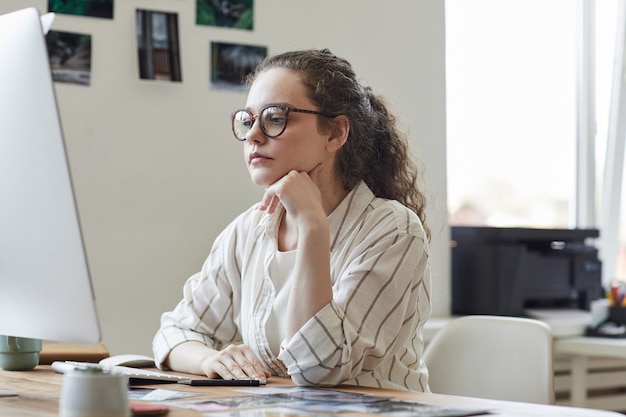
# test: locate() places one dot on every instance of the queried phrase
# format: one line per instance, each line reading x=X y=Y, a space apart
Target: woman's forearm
x=311 y=287
x=188 y=357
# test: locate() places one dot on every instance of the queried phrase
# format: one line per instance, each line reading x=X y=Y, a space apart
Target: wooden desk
x=39 y=390
x=580 y=349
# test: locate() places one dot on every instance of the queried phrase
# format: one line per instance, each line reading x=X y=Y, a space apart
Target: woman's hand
x=297 y=191
x=234 y=362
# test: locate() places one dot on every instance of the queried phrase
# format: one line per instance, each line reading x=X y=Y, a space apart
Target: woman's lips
x=257 y=158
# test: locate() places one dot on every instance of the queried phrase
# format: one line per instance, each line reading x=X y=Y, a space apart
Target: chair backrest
x=502 y=358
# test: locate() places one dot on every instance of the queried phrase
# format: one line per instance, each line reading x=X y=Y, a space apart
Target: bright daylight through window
x=512 y=112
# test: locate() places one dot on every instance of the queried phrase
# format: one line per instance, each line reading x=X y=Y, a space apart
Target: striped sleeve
x=370 y=334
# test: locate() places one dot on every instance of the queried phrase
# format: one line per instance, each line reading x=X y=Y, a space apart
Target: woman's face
x=300 y=147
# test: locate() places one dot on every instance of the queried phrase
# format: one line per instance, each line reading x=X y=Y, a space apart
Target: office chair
x=495 y=357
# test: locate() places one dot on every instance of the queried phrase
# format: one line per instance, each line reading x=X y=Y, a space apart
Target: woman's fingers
x=237 y=362
x=293 y=189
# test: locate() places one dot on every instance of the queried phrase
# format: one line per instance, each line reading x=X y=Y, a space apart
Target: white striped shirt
x=369 y=335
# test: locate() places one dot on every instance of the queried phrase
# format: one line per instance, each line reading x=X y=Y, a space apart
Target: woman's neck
x=333 y=194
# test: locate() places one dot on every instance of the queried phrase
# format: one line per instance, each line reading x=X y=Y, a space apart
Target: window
x=512 y=80
x=511 y=112
x=612 y=223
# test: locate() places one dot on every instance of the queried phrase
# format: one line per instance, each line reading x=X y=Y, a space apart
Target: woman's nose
x=255 y=134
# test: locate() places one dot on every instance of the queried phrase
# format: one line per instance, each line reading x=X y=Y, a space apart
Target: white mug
x=94 y=394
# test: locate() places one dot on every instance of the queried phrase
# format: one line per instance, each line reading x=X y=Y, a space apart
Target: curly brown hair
x=376 y=151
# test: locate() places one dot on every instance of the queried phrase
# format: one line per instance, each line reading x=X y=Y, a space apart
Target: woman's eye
x=277 y=120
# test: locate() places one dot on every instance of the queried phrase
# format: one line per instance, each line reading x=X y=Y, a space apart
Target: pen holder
x=617 y=314
x=94 y=394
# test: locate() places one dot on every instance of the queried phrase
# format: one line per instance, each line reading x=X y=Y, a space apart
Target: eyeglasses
x=273 y=119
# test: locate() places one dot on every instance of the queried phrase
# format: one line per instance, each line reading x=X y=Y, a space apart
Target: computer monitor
x=45 y=286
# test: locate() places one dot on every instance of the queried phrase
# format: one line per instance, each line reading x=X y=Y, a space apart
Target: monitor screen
x=45 y=286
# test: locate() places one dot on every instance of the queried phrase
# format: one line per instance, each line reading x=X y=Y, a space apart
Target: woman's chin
x=262 y=180
x=265 y=178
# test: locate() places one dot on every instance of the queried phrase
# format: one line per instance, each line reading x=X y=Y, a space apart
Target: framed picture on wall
x=92 y=8
x=238 y=14
x=158 y=46
x=231 y=63
x=70 y=57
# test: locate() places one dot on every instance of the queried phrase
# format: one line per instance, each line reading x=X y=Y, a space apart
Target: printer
x=509 y=271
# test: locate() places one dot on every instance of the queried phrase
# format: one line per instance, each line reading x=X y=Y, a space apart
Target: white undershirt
x=280 y=269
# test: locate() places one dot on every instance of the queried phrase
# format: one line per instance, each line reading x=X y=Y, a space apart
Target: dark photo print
x=158 y=46
x=238 y=14
x=70 y=57
x=231 y=63
x=92 y=8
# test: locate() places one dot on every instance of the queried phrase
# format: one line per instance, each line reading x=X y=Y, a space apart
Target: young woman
x=327 y=279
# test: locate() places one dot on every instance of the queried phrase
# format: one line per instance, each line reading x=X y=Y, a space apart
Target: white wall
x=156 y=170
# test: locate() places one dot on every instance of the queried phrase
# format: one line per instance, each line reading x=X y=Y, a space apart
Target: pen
x=221 y=382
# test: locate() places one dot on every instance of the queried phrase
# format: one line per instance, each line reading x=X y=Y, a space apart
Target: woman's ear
x=338 y=133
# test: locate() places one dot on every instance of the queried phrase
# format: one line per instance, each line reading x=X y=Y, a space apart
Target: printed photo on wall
x=231 y=63
x=238 y=14
x=92 y=8
x=70 y=57
x=158 y=46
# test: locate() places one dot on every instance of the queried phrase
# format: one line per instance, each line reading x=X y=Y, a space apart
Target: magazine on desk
x=317 y=402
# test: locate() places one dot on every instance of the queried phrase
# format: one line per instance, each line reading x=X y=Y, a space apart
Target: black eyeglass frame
x=285 y=108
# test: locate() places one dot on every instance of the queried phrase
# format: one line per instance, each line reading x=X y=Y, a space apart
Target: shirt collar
x=349 y=211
